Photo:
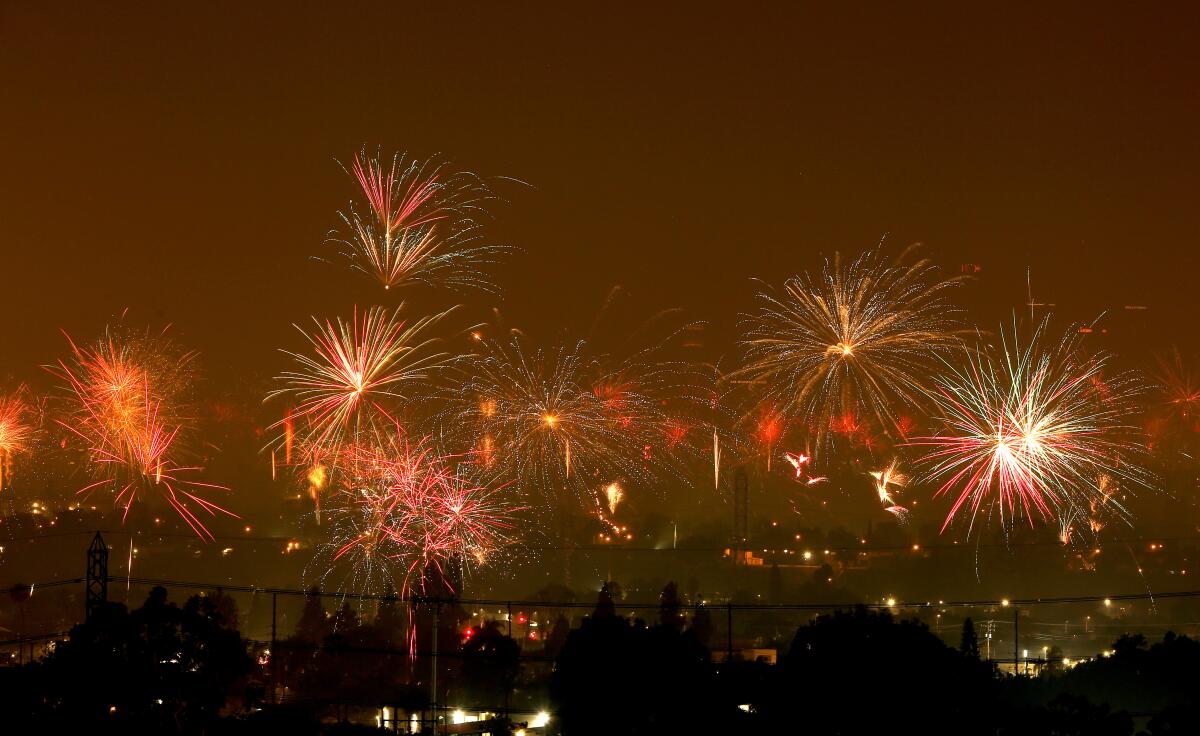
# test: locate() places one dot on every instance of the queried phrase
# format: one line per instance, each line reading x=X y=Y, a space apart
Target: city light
x=337 y=341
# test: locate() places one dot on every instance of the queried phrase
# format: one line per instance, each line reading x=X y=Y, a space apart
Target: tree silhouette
x=389 y=623
x=775 y=585
x=346 y=618
x=841 y=661
x=489 y=666
x=604 y=604
x=614 y=676
x=313 y=625
x=969 y=642
x=558 y=636
x=668 y=608
x=701 y=629
x=226 y=606
x=160 y=668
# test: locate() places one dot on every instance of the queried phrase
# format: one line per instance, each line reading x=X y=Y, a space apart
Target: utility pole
x=729 y=631
x=741 y=503
x=96 y=590
x=1016 y=639
x=433 y=698
x=274 y=652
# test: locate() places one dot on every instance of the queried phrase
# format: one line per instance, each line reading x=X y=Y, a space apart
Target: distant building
x=751 y=654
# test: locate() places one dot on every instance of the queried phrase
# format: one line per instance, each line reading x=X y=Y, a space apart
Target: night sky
x=178 y=159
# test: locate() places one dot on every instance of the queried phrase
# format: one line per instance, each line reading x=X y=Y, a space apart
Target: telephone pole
x=1016 y=640
x=433 y=697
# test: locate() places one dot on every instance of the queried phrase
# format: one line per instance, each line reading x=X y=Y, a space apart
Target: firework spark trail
x=395 y=211
x=354 y=379
x=124 y=396
x=1067 y=523
x=1033 y=430
x=901 y=513
x=858 y=338
x=716 y=452
x=421 y=223
x=289 y=436
x=1145 y=582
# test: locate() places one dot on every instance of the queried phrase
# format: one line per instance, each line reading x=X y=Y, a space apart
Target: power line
x=499 y=602
x=631 y=549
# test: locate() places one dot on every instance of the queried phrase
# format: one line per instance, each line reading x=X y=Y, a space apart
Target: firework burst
x=558 y=423
x=886 y=480
x=354 y=379
x=419 y=222
x=1177 y=391
x=1038 y=432
x=613 y=496
x=402 y=511
x=126 y=410
x=16 y=433
x=857 y=339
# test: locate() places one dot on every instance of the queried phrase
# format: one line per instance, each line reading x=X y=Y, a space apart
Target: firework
x=16 y=432
x=887 y=479
x=797 y=460
x=421 y=222
x=899 y=512
x=768 y=432
x=1177 y=391
x=126 y=409
x=1038 y=432
x=354 y=379
x=800 y=463
x=556 y=422
x=716 y=454
x=1068 y=525
x=613 y=496
x=472 y=522
x=856 y=339
x=401 y=511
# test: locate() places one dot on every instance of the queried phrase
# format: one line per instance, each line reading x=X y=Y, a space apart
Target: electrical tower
x=97 y=576
x=741 y=504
